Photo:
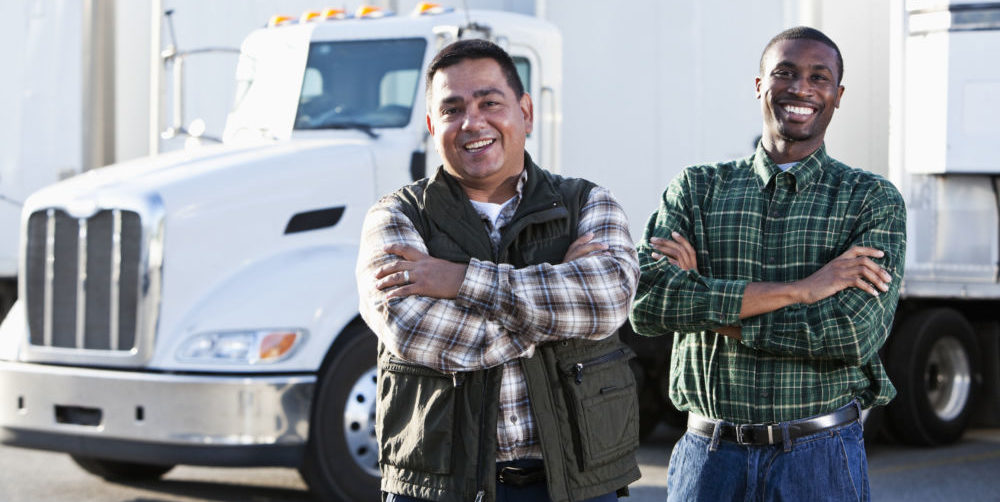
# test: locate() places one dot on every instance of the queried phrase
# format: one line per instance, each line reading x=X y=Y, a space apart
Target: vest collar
x=448 y=207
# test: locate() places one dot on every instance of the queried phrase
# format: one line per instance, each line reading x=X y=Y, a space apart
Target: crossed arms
x=464 y=317
x=842 y=311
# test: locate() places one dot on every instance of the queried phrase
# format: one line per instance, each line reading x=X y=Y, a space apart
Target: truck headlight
x=248 y=347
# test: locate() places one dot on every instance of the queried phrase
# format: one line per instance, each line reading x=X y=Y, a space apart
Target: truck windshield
x=360 y=84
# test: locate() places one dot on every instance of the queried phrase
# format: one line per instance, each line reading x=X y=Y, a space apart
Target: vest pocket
x=601 y=394
x=416 y=414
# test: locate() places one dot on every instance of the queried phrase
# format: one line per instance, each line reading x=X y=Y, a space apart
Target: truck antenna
x=168 y=14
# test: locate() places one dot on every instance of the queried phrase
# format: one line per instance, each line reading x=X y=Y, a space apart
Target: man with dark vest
x=496 y=289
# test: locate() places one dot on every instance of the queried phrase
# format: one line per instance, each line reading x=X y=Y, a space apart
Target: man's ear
x=430 y=125
x=756 y=85
x=527 y=108
x=840 y=93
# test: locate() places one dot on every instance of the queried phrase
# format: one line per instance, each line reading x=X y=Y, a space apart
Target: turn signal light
x=275 y=345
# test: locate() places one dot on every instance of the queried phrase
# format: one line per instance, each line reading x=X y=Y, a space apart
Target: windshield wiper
x=359 y=126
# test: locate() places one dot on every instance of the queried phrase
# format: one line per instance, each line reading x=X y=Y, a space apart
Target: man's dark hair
x=805 y=33
x=462 y=50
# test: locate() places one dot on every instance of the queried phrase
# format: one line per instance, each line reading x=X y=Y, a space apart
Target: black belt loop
x=786 y=437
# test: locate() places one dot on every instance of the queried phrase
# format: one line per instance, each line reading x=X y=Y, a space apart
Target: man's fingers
x=401 y=292
x=394 y=279
x=583 y=239
x=856 y=251
x=408 y=253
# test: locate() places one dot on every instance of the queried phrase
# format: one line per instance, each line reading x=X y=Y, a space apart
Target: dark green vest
x=437 y=432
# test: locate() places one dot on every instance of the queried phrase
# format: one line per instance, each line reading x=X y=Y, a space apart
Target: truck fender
x=305 y=288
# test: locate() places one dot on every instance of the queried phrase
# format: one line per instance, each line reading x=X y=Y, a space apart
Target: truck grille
x=82 y=279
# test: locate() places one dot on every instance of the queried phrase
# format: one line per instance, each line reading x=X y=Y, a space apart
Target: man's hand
x=854 y=268
x=678 y=250
x=428 y=276
x=583 y=246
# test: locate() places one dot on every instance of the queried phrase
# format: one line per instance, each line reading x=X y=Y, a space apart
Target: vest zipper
x=482 y=426
x=606 y=358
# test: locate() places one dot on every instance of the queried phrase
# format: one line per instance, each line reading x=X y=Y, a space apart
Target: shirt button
x=765 y=393
x=513 y=419
x=771 y=259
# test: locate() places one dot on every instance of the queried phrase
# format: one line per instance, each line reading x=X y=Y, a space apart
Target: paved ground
x=967 y=471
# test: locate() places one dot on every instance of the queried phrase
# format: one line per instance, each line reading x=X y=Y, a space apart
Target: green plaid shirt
x=751 y=222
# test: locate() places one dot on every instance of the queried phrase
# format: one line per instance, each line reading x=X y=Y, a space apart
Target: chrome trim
x=152 y=215
x=81 y=283
x=50 y=273
x=114 y=296
x=177 y=409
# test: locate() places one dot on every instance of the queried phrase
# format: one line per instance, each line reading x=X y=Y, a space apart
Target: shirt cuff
x=726 y=300
x=480 y=287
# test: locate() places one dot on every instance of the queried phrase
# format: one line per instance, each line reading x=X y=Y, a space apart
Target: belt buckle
x=740 y=435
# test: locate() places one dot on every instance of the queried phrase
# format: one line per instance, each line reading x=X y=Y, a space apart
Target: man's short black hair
x=805 y=33
x=462 y=50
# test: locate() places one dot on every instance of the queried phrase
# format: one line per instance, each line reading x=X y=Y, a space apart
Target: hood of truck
x=175 y=169
x=208 y=217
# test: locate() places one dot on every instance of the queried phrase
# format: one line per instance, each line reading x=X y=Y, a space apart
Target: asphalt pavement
x=967 y=471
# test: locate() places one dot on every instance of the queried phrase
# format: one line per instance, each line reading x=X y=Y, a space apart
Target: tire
x=8 y=294
x=873 y=422
x=341 y=460
x=113 y=470
x=650 y=409
x=933 y=363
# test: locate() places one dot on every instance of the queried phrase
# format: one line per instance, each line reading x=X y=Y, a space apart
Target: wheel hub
x=948 y=378
x=359 y=423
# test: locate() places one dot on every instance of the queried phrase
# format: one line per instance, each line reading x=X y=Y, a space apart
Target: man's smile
x=478 y=145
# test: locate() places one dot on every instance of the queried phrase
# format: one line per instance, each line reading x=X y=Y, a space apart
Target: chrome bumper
x=156 y=417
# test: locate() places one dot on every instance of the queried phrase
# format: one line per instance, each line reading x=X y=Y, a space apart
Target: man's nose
x=801 y=86
x=474 y=120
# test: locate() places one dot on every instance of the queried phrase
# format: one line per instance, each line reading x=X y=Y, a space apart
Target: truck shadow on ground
x=174 y=490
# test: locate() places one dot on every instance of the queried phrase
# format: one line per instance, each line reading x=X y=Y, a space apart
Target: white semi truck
x=200 y=308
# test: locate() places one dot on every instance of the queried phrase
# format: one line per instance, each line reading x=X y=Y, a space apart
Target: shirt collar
x=804 y=173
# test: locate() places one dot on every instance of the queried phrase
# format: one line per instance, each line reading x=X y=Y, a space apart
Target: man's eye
x=782 y=74
x=820 y=78
x=449 y=111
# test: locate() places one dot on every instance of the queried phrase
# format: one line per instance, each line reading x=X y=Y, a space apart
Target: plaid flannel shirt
x=502 y=313
x=750 y=222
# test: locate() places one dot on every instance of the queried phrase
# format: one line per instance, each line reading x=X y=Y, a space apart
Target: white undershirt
x=787 y=166
x=490 y=210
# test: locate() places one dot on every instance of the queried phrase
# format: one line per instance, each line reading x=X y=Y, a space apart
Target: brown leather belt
x=768 y=434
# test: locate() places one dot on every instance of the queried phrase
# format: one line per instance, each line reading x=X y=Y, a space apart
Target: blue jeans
x=829 y=465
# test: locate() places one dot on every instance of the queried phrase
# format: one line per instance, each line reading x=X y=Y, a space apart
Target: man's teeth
x=475 y=145
x=799 y=110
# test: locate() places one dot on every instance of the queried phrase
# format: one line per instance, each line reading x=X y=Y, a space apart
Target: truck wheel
x=8 y=294
x=873 y=421
x=113 y=470
x=341 y=461
x=933 y=364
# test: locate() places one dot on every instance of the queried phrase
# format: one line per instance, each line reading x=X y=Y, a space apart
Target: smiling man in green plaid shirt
x=778 y=275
